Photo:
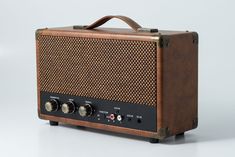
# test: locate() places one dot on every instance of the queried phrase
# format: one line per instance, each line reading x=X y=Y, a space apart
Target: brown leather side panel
x=180 y=83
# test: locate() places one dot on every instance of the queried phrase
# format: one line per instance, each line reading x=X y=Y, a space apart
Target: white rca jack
x=119 y=118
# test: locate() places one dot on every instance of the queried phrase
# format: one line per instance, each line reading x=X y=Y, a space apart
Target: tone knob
x=68 y=107
x=52 y=105
x=85 y=110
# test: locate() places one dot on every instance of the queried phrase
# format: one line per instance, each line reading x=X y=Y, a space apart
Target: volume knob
x=85 y=110
x=68 y=107
x=52 y=105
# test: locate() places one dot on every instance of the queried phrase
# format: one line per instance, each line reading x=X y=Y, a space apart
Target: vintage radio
x=137 y=81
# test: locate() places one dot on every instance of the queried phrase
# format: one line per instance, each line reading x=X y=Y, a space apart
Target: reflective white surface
x=23 y=134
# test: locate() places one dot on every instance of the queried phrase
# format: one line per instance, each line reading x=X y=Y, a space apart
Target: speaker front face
x=99 y=80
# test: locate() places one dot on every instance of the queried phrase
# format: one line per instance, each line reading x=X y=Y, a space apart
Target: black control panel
x=128 y=115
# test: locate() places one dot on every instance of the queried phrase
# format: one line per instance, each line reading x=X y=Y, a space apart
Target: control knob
x=85 y=110
x=52 y=105
x=68 y=107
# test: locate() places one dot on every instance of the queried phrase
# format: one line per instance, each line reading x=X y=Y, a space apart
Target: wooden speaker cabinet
x=137 y=81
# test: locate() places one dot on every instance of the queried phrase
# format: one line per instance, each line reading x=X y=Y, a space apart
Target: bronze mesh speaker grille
x=119 y=70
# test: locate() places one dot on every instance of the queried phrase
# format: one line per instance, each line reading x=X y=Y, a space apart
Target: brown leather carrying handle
x=135 y=26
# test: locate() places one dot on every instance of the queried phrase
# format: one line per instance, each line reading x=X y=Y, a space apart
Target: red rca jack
x=111 y=116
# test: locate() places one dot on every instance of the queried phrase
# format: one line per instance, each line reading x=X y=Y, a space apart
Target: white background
x=23 y=134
